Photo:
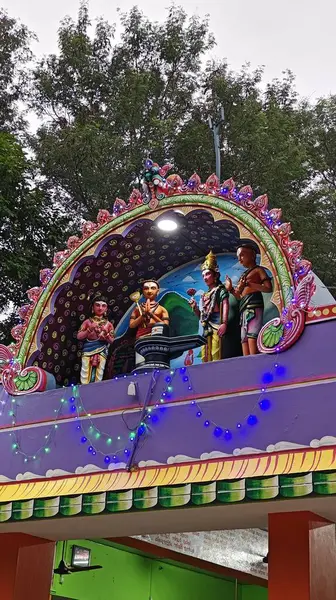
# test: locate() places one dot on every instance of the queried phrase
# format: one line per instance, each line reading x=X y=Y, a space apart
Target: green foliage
x=30 y=226
x=103 y=105
x=14 y=56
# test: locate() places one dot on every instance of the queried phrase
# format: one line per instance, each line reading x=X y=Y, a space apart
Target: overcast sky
x=294 y=34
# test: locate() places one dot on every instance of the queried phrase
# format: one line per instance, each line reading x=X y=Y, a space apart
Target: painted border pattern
x=172 y=496
x=262 y=465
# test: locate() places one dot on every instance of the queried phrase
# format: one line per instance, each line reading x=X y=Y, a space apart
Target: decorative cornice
x=294 y=462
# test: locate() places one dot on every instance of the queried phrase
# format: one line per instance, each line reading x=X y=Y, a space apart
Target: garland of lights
x=263 y=403
x=148 y=417
x=136 y=433
x=45 y=447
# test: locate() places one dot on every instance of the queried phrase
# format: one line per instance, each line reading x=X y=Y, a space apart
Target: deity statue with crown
x=97 y=332
x=213 y=311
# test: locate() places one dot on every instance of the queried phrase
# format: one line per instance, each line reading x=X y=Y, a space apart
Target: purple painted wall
x=298 y=412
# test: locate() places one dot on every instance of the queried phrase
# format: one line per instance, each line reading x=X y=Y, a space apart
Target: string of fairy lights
x=119 y=448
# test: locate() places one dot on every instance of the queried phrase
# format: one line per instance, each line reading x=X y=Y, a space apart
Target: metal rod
x=150 y=390
x=215 y=126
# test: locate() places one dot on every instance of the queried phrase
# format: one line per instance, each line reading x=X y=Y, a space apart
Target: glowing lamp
x=167 y=224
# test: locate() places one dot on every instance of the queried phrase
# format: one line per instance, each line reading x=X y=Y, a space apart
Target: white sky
x=294 y=34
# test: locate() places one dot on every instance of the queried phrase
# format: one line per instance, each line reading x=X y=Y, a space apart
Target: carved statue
x=213 y=311
x=248 y=291
x=97 y=332
x=154 y=184
x=148 y=314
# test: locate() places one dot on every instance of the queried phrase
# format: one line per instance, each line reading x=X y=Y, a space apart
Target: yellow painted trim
x=263 y=465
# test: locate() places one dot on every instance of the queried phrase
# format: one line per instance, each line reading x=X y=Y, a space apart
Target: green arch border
x=235 y=211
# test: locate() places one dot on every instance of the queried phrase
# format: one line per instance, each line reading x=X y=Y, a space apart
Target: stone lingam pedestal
x=158 y=350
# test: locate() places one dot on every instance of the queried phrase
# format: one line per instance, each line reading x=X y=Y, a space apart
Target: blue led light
x=218 y=431
x=83 y=439
x=264 y=404
x=90 y=449
x=72 y=399
x=168 y=379
x=227 y=435
x=280 y=370
x=141 y=430
x=252 y=420
x=267 y=378
x=155 y=419
x=238 y=425
x=206 y=423
x=185 y=378
x=198 y=414
x=182 y=370
x=107 y=460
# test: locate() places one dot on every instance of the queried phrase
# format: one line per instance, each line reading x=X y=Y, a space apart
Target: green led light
x=47 y=450
x=132 y=436
x=14 y=446
x=109 y=441
x=97 y=435
x=62 y=400
x=169 y=388
x=56 y=426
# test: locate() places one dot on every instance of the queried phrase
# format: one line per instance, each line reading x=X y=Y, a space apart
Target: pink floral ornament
x=212 y=183
x=275 y=214
x=60 y=257
x=33 y=294
x=164 y=170
x=88 y=228
x=119 y=206
x=174 y=183
x=245 y=193
x=73 y=242
x=24 y=311
x=228 y=185
x=194 y=183
x=17 y=332
x=135 y=198
x=103 y=217
x=45 y=276
x=260 y=204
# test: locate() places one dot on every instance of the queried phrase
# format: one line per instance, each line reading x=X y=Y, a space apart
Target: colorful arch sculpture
x=293 y=279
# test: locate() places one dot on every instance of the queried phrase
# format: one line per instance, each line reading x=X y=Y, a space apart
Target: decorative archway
x=293 y=280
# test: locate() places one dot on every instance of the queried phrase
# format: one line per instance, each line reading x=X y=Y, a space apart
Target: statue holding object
x=213 y=311
x=97 y=332
x=248 y=291
x=148 y=314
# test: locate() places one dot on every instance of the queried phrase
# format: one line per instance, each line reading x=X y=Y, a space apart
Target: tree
x=30 y=224
x=31 y=228
x=104 y=105
x=15 y=53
